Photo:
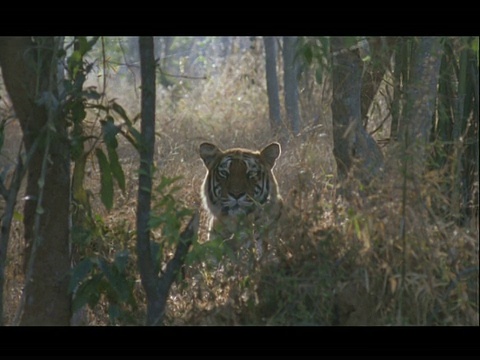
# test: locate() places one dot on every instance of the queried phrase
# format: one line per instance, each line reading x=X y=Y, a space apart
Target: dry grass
x=336 y=262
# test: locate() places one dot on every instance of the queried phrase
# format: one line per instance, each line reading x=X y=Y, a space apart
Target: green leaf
x=79 y=273
x=121 y=260
x=366 y=58
x=87 y=293
x=110 y=131
x=475 y=46
x=350 y=41
x=83 y=45
x=156 y=249
x=121 y=111
x=74 y=62
x=81 y=236
x=78 y=112
x=105 y=268
x=308 y=53
x=167 y=181
x=106 y=180
x=116 y=168
x=356 y=224
x=116 y=281
x=134 y=137
x=154 y=222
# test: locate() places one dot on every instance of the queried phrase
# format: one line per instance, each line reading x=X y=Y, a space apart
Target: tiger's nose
x=237 y=195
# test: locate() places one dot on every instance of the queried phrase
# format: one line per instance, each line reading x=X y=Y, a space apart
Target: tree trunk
x=10 y=197
x=381 y=50
x=400 y=77
x=350 y=140
x=291 y=83
x=272 y=82
x=145 y=259
x=156 y=288
x=165 y=43
x=421 y=93
x=29 y=72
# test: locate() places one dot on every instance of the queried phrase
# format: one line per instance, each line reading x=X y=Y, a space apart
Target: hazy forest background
x=379 y=173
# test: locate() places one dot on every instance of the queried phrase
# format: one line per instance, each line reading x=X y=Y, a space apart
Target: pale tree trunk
x=291 y=83
x=272 y=82
x=29 y=72
x=352 y=145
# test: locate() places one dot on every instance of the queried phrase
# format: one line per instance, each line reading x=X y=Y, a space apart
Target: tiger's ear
x=270 y=153
x=208 y=152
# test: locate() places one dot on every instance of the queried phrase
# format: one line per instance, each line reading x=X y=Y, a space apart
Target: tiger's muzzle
x=238 y=204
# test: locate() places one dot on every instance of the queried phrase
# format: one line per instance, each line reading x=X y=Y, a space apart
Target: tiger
x=241 y=194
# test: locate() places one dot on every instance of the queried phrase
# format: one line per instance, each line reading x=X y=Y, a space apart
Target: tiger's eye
x=252 y=174
x=223 y=173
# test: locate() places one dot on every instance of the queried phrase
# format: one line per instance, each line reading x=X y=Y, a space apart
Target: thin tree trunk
x=145 y=259
x=29 y=71
x=272 y=83
x=156 y=288
x=290 y=83
x=400 y=77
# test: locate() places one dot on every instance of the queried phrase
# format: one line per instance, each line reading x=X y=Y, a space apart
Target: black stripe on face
x=214 y=188
x=265 y=187
x=262 y=187
x=224 y=165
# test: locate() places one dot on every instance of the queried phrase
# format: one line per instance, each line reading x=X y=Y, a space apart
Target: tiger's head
x=238 y=181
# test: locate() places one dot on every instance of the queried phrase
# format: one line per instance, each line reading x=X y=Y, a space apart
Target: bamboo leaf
x=83 y=45
x=117 y=282
x=121 y=111
x=79 y=273
x=133 y=136
x=110 y=131
x=116 y=168
x=121 y=260
x=106 y=180
x=87 y=293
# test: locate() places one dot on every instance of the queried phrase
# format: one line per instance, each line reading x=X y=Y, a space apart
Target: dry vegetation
x=337 y=262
